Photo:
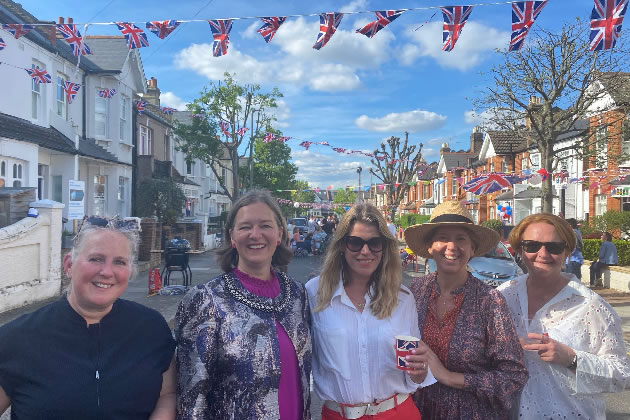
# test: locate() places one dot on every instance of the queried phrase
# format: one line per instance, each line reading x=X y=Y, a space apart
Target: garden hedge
x=591 y=250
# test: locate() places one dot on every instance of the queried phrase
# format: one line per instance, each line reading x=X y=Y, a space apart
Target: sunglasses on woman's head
x=356 y=244
x=555 y=248
x=115 y=223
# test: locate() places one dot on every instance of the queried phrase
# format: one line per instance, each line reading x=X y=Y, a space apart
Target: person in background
x=328 y=225
x=607 y=256
x=575 y=259
x=311 y=225
x=318 y=240
x=391 y=227
x=244 y=338
x=90 y=354
x=574 y=347
x=359 y=305
x=474 y=351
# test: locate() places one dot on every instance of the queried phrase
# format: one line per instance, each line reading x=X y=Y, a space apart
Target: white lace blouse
x=581 y=319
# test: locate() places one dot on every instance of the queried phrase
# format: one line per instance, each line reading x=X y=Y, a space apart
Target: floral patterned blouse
x=483 y=346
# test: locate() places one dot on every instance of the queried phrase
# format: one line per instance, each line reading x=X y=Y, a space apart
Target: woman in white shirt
x=358 y=306
x=575 y=346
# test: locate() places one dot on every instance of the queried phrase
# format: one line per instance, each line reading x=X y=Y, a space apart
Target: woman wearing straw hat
x=472 y=346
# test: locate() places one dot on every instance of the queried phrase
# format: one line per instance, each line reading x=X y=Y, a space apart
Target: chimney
x=49 y=31
x=69 y=21
x=534 y=103
x=152 y=94
x=60 y=21
x=476 y=140
x=444 y=148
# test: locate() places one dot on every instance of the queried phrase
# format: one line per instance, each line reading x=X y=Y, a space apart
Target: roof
x=506 y=142
x=430 y=173
x=617 y=84
x=50 y=138
x=578 y=128
x=157 y=115
x=457 y=159
x=108 y=52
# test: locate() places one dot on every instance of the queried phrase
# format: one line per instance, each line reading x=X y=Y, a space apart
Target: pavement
x=204 y=268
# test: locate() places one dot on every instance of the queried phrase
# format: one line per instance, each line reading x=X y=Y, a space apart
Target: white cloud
x=354 y=6
x=475 y=42
x=411 y=121
x=321 y=170
x=282 y=113
x=171 y=100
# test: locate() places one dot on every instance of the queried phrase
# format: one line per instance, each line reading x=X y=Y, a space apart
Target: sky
x=353 y=93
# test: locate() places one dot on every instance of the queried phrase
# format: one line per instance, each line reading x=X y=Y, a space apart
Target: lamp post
x=359 y=170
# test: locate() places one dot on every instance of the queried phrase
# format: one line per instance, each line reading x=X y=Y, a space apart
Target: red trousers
x=405 y=411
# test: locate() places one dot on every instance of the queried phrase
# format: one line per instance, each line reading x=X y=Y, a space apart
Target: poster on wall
x=76 y=203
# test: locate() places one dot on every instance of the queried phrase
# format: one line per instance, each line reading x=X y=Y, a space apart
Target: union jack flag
x=271 y=25
x=225 y=127
x=136 y=38
x=284 y=139
x=339 y=149
x=39 y=75
x=221 y=34
x=268 y=137
x=166 y=110
x=73 y=37
x=17 y=30
x=71 y=90
x=241 y=131
x=406 y=345
x=306 y=144
x=140 y=106
x=491 y=182
x=328 y=23
x=455 y=18
x=162 y=29
x=107 y=93
x=383 y=18
x=606 y=20
x=3 y=45
x=524 y=13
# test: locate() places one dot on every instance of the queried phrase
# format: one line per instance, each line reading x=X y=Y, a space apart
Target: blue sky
x=353 y=93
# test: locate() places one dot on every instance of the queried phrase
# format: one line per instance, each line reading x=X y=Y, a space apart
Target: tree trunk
x=546 y=156
x=236 y=192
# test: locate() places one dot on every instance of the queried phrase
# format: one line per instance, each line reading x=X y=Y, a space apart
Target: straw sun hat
x=449 y=213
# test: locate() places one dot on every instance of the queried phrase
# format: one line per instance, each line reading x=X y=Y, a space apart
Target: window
x=601 y=147
x=535 y=159
x=62 y=105
x=124 y=109
x=146 y=141
x=36 y=94
x=17 y=175
x=122 y=187
x=42 y=175
x=625 y=142
x=100 y=116
x=57 y=186
x=3 y=173
x=524 y=164
x=167 y=148
x=600 y=204
x=504 y=166
x=190 y=168
x=224 y=174
x=100 y=186
x=453 y=185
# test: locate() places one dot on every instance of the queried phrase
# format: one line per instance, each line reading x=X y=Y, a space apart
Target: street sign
x=76 y=203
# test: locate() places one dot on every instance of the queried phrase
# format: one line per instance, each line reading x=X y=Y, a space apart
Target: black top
x=53 y=366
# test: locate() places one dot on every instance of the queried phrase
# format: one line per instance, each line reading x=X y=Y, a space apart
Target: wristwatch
x=573 y=363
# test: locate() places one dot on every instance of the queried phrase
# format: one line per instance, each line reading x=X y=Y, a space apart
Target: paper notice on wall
x=76 y=203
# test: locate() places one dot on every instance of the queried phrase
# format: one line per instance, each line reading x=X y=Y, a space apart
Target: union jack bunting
x=284 y=139
x=39 y=75
x=17 y=30
x=491 y=182
x=140 y=106
x=221 y=34
x=524 y=13
x=162 y=29
x=73 y=37
x=268 y=137
x=455 y=18
x=225 y=127
x=166 y=110
x=271 y=25
x=71 y=90
x=136 y=38
x=3 y=45
x=241 y=131
x=383 y=18
x=107 y=93
x=328 y=23
x=306 y=144
x=606 y=19
x=339 y=149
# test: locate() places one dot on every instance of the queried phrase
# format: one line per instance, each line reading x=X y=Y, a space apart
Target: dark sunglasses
x=115 y=223
x=555 y=248
x=356 y=244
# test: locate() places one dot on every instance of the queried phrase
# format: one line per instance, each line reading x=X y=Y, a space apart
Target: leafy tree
x=160 y=197
x=395 y=165
x=346 y=197
x=225 y=102
x=541 y=92
x=302 y=194
x=615 y=222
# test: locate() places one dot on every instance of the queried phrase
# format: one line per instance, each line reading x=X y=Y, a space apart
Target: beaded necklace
x=234 y=288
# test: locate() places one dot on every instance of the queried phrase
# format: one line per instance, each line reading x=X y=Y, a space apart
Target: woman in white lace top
x=572 y=337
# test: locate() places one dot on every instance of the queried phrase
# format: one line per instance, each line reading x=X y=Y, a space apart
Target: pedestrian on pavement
x=471 y=342
x=311 y=225
x=359 y=306
x=91 y=354
x=576 y=259
x=244 y=340
x=607 y=256
x=574 y=345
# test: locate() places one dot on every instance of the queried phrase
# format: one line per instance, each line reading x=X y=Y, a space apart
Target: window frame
x=61 y=99
x=36 y=93
x=104 y=112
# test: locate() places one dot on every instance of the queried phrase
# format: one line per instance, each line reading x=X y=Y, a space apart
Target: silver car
x=493 y=268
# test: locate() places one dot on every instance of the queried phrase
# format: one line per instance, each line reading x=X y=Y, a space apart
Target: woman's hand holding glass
x=550 y=350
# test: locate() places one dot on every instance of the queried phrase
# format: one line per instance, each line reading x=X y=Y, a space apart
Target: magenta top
x=290 y=389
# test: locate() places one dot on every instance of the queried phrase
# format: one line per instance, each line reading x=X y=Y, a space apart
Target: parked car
x=301 y=223
x=493 y=268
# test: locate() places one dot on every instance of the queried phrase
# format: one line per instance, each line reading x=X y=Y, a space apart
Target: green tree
x=302 y=194
x=160 y=197
x=346 y=197
x=615 y=222
x=232 y=104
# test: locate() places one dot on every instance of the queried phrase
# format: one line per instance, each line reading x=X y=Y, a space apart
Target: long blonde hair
x=386 y=279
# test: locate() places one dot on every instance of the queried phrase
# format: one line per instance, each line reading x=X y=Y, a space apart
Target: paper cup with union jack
x=404 y=345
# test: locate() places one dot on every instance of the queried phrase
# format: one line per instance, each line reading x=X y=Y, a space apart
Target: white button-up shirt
x=581 y=319
x=354 y=360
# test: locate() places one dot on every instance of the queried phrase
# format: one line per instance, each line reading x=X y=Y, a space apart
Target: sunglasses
x=555 y=248
x=356 y=244
x=115 y=223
